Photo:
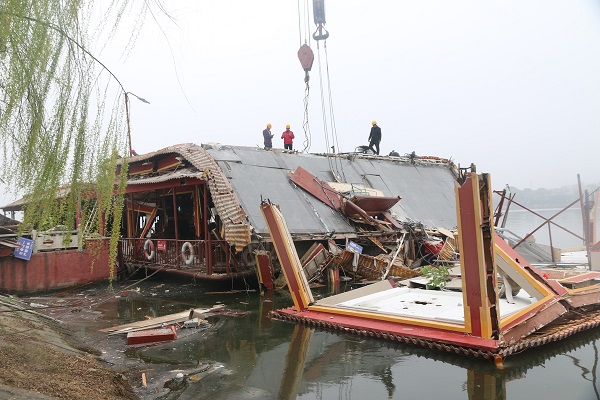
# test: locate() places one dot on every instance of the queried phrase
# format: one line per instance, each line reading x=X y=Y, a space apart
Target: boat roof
x=426 y=185
x=243 y=176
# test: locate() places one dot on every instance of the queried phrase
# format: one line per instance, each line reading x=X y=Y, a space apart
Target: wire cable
x=307 y=20
x=324 y=113
x=334 y=136
x=303 y=21
x=299 y=24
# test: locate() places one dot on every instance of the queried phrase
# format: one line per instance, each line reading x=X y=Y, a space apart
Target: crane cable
x=335 y=163
x=305 y=22
x=306 y=57
x=329 y=144
x=332 y=118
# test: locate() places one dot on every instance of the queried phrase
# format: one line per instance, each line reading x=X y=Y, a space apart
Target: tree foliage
x=62 y=111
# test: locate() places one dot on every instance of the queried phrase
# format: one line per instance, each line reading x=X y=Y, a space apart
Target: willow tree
x=62 y=111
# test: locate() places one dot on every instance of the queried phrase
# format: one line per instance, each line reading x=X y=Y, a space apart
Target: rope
x=305 y=125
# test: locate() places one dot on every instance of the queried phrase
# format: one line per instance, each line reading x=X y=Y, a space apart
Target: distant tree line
x=548 y=198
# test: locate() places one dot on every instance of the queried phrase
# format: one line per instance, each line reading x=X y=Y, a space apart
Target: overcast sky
x=512 y=86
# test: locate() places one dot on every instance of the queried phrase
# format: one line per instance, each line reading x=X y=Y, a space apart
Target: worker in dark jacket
x=374 y=137
x=267 y=136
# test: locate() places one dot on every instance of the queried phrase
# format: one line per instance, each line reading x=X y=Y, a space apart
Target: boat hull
x=53 y=270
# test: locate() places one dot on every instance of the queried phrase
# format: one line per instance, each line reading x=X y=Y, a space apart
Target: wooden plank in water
x=152 y=335
x=158 y=321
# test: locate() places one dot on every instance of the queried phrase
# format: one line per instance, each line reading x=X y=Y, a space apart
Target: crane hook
x=323 y=34
x=319 y=18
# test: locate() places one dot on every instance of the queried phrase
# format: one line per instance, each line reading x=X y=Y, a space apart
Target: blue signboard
x=26 y=249
x=353 y=247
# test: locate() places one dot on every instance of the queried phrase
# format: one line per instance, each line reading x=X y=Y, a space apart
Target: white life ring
x=149 y=250
x=187 y=248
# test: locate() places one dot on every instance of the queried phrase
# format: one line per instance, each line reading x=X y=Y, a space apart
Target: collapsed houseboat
x=483 y=319
x=193 y=210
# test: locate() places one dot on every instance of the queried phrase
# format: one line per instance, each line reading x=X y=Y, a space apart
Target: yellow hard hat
x=287 y=126
x=268 y=125
x=374 y=123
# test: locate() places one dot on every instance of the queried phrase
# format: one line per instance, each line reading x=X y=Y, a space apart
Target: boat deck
x=443 y=306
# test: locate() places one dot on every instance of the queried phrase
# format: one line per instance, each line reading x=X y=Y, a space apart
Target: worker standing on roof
x=288 y=138
x=374 y=137
x=267 y=136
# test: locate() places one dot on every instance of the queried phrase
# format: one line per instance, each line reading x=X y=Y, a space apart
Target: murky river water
x=249 y=356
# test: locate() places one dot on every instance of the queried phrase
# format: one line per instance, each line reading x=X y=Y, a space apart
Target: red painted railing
x=200 y=256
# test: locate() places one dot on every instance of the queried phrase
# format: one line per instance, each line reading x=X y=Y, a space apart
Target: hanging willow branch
x=62 y=118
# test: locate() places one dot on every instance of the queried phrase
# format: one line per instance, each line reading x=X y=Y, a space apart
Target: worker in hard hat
x=374 y=137
x=267 y=136
x=288 y=138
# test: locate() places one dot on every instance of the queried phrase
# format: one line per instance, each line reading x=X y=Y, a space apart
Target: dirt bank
x=40 y=361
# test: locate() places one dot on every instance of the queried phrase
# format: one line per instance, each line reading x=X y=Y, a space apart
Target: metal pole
x=128 y=123
x=510 y=201
x=551 y=246
x=584 y=215
x=127 y=116
x=207 y=233
x=176 y=224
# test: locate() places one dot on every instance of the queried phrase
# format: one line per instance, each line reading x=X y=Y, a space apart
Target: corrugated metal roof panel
x=426 y=187
x=17 y=205
x=238 y=235
x=304 y=213
x=223 y=195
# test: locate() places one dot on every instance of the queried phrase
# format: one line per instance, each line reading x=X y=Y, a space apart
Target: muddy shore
x=40 y=359
x=52 y=345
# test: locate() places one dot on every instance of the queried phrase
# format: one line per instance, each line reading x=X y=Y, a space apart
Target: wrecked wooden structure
x=192 y=210
x=481 y=320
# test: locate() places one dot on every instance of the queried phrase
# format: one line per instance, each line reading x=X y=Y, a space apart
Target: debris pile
x=384 y=246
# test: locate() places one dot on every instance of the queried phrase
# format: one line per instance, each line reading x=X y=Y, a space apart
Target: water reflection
x=252 y=356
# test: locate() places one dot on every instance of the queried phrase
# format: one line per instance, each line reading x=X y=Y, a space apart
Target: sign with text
x=353 y=247
x=24 y=252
